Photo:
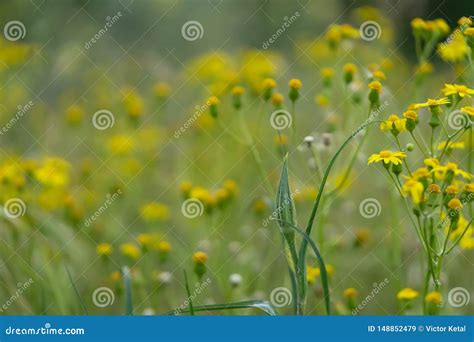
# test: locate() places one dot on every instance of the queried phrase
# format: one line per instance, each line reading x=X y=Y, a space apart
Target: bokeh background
x=145 y=46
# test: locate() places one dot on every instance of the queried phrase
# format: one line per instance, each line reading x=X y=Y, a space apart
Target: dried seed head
x=326 y=139
x=235 y=279
x=308 y=140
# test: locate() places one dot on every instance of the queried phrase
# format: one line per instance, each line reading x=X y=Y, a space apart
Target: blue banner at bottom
x=240 y=328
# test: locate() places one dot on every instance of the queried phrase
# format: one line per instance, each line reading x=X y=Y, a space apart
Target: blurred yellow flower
x=350 y=293
x=130 y=250
x=146 y=240
x=154 y=211
x=415 y=189
x=53 y=172
x=200 y=257
x=104 y=249
x=455 y=50
x=407 y=294
x=456 y=89
x=452 y=145
x=434 y=297
x=120 y=144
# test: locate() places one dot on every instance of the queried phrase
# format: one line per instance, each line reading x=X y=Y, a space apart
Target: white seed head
x=235 y=279
x=308 y=140
x=165 y=277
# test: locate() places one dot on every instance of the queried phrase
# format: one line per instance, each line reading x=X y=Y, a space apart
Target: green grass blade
x=127 y=281
x=285 y=212
x=76 y=291
x=314 y=210
x=322 y=267
x=256 y=304
x=190 y=299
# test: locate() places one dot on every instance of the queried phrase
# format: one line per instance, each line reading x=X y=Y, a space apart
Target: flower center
x=385 y=154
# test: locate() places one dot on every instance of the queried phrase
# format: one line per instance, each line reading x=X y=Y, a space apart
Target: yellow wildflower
x=452 y=145
x=146 y=240
x=130 y=250
x=154 y=211
x=468 y=110
x=457 y=89
x=53 y=172
x=415 y=189
x=350 y=293
x=394 y=124
x=387 y=157
x=431 y=103
x=407 y=294
x=163 y=246
x=455 y=204
x=104 y=249
x=200 y=257
x=295 y=84
x=434 y=297
x=455 y=50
